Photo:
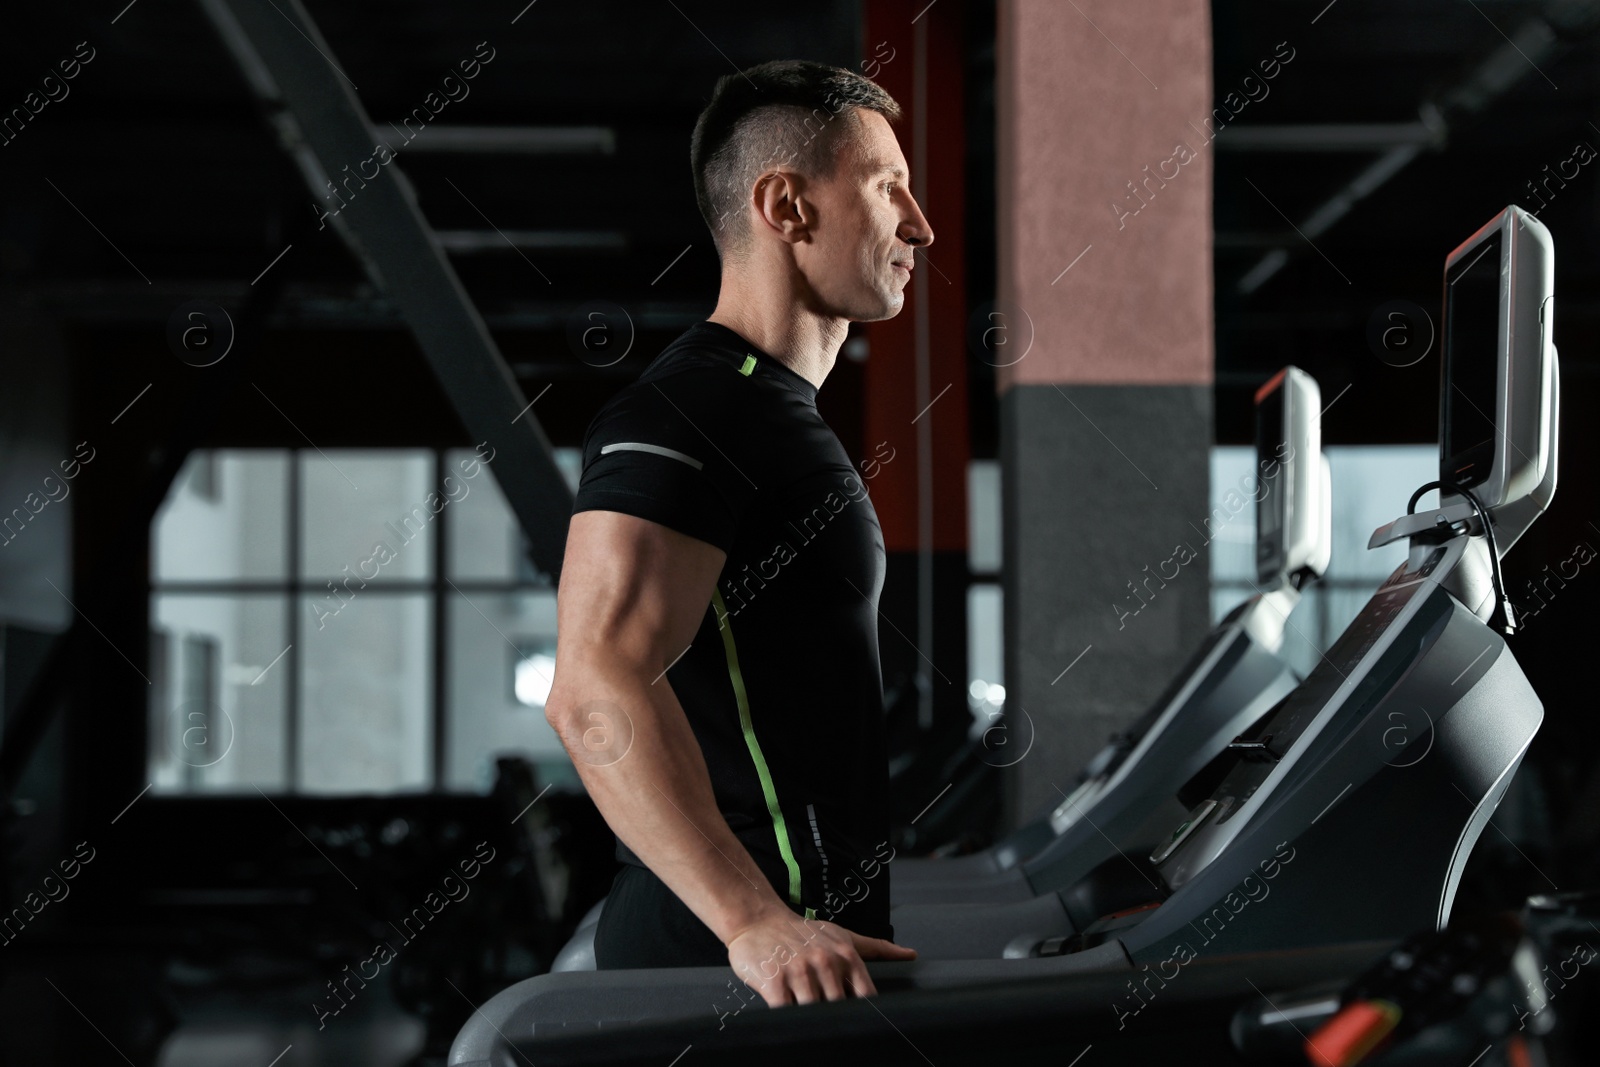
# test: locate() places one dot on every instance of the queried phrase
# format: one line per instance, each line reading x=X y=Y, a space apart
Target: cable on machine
x=1507 y=623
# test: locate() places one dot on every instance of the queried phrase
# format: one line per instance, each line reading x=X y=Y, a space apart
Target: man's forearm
x=640 y=761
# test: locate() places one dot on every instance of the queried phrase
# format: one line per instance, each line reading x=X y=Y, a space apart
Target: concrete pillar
x=1105 y=313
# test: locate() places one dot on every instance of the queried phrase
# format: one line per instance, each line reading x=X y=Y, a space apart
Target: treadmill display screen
x=1270 y=504
x=1471 y=365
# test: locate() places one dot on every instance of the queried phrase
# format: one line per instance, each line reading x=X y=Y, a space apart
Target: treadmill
x=1123 y=798
x=1308 y=848
x=1126 y=803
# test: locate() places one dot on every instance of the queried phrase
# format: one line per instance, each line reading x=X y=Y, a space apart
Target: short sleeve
x=670 y=451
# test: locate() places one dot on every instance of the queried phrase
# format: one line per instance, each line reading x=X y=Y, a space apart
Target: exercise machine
x=1122 y=799
x=1312 y=838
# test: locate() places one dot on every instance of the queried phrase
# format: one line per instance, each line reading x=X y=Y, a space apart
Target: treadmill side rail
x=705 y=998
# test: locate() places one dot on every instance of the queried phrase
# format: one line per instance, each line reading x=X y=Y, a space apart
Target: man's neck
x=806 y=344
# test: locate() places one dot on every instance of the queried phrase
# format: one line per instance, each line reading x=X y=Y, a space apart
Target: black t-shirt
x=782 y=684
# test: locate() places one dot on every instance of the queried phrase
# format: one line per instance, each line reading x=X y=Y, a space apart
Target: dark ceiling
x=156 y=181
x=1501 y=110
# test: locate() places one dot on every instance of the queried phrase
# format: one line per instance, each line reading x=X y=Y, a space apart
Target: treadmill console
x=1473 y=325
x=1290 y=534
x=1499 y=418
x=1498 y=396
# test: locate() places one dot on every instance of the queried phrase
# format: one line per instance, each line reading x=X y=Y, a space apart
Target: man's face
x=858 y=260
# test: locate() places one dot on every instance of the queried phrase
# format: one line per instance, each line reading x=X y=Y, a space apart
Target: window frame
x=296 y=590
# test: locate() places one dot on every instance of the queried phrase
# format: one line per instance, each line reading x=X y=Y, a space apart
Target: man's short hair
x=789 y=111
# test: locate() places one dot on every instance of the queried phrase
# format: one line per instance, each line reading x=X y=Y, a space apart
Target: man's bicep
x=633 y=587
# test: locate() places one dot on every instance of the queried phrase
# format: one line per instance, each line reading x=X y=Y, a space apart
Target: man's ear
x=781 y=205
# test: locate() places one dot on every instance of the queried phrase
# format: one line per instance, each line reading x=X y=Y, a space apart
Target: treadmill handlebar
x=1434 y=525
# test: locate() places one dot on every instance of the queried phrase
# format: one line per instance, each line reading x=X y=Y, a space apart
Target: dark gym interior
x=235 y=358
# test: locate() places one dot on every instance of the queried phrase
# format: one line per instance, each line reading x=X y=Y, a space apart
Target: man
x=717 y=678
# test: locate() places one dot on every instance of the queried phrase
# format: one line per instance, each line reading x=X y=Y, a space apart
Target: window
x=345 y=621
x=986 y=690
x=1371 y=484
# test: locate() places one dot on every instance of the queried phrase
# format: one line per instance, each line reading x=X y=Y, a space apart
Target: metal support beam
x=1328 y=137
x=508 y=140
x=334 y=305
x=320 y=122
x=478 y=242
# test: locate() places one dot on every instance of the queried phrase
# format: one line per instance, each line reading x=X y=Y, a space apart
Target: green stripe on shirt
x=780 y=829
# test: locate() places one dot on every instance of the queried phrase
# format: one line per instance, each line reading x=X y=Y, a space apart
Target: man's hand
x=789 y=960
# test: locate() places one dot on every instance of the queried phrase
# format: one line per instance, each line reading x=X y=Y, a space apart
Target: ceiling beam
x=475 y=242
x=311 y=105
x=506 y=140
x=1328 y=137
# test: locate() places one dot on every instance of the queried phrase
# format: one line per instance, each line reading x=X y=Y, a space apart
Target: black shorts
x=644 y=924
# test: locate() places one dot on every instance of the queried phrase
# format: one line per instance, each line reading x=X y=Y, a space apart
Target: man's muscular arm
x=631 y=598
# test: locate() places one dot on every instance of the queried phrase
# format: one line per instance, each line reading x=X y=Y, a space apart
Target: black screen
x=1270 y=433
x=1471 y=365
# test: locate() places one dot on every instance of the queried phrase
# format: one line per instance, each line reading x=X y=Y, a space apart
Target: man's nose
x=916 y=230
